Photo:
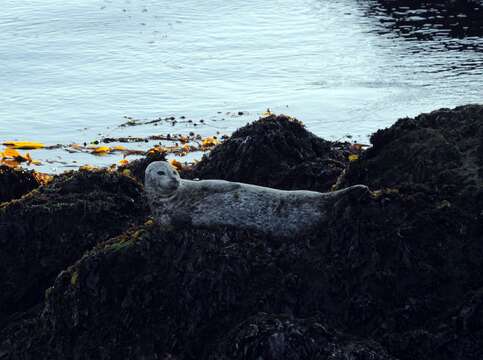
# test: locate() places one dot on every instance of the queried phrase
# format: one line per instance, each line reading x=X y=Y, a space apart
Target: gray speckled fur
x=212 y=203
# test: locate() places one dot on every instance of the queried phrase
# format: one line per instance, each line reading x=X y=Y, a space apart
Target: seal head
x=161 y=179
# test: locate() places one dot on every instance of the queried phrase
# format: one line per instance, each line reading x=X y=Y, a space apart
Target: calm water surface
x=71 y=70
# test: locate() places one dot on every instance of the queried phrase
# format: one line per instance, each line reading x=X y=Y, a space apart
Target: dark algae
x=15 y=182
x=394 y=274
x=51 y=227
x=440 y=153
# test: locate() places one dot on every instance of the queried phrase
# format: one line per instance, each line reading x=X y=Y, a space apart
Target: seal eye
x=161 y=173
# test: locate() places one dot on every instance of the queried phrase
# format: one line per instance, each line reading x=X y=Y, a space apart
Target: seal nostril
x=161 y=173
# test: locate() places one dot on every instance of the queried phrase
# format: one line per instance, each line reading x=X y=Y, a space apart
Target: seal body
x=214 y=203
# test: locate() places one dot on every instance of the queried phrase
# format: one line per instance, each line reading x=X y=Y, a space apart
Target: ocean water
x=72 y=70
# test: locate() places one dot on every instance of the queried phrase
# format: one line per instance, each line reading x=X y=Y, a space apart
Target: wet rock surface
x=395 y=274
x=275 y=151
x=440 y=153
x=14 y=183
x=50 y=228
x=281 y=337
x=176 y=294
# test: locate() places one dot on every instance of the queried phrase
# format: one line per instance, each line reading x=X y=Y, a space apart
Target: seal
x=217 y=203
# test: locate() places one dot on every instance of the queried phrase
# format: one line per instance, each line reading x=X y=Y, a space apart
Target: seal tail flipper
x=356 y=192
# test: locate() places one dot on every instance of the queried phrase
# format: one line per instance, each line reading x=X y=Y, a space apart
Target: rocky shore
x=86 y=274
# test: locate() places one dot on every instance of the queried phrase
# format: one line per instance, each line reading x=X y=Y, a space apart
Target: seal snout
x=173 y=184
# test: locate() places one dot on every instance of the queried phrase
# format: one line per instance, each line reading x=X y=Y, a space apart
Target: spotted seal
x=214 y=203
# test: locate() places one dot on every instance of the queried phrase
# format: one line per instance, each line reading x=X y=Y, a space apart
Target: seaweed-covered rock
x=51 y=227
x=440 y=152
x=15 y=182
x=275 y=151
x=279 y=337
x=379 y=270
x=457 y=335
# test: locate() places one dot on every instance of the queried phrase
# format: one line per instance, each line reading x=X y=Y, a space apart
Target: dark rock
x=15 y=182
x=440 y=152
x=385 y=267
x=275 y=151
x=458 y=335
x=51 y=227
x=279 y=337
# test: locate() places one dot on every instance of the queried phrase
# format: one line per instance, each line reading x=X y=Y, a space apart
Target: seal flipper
x=355 y=192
